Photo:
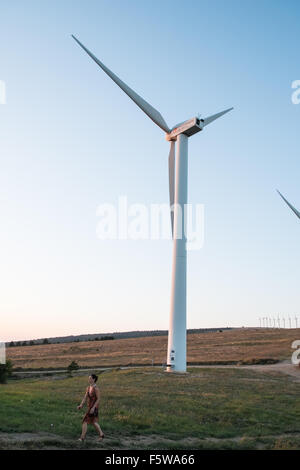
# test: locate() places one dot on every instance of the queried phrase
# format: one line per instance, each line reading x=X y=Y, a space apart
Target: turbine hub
x=189 y=128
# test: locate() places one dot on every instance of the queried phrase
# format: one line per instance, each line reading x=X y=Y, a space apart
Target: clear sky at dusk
x=70 y=140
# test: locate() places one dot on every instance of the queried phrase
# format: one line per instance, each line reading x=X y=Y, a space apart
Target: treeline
x=26 y=343
x=47 y=341
x=108 y=336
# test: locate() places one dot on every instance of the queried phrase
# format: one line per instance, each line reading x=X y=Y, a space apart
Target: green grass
x=206 y=403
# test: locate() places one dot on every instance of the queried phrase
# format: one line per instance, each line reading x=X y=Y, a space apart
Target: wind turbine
x=178 y=173
x=290 y=205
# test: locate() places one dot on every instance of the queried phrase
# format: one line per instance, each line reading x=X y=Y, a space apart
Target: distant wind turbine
x=176 y=355
x=289 y=204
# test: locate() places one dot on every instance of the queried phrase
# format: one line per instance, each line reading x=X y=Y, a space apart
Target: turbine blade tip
x=77 y=40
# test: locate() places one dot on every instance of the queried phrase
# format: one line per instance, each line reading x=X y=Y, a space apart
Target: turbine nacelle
x=189 y=128
x=192 y=126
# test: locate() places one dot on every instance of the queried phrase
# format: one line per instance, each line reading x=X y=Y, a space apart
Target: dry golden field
x=245 y=344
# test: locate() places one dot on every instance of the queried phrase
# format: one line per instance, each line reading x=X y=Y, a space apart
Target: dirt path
x=46 y=441
x=283 y=367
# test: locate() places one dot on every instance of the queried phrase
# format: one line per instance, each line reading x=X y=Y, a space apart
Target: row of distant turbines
x=268 y=322
x=178 y=137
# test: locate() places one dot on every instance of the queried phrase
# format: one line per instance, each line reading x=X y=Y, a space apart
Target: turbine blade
x=172 y=181
x=212 y=118
x=146 y=107
x=290 y=205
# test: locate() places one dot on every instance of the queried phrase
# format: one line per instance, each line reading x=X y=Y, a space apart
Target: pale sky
x=70 y=140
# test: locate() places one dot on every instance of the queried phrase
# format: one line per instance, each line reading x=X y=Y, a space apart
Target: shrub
x=5 y=371
x=73 y=366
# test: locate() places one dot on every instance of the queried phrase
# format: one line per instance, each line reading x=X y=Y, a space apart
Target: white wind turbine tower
x=176 y=356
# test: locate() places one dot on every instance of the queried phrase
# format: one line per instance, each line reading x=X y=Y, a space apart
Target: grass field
x=242 y=344
x=207 y=408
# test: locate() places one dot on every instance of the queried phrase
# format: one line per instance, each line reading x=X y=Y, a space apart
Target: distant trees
x=5 y=371
x=13 y=344
x=103 y=338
